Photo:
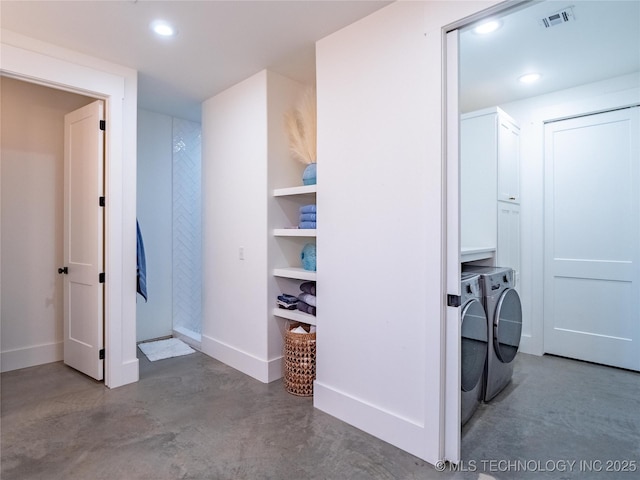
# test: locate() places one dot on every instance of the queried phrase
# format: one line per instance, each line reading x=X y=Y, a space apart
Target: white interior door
x=592 y=238
x=83 y=240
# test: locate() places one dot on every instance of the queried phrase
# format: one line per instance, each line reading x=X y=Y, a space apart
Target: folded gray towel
x=307 y=298
x=308 y=287
x=306 y=308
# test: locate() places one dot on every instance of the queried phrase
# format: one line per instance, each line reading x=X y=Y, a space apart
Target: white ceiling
x=602 y=42
x=219 y=43
x=223 y=42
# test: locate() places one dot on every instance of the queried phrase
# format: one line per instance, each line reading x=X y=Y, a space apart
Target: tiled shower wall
x=187 y=226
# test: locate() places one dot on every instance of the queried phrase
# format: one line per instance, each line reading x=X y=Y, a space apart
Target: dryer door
x=507 y=326
x=473 y=350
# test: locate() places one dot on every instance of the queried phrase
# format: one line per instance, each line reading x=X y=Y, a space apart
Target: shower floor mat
x=161 y=349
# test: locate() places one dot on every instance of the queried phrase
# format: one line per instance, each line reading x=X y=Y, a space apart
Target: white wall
x=530 y=115
x=48 y=64
x=32 y=169
x=154 y=211
x=380 y=270
x=187 y=228
x=234 y=185
x=238 y=144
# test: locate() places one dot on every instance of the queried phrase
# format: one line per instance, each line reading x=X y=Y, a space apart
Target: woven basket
x=299 y=362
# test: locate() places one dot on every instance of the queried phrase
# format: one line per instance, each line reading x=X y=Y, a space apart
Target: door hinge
x=101 y=354
x=454 y=300
x=101 y=201
x=101 y=277
x=103 y=125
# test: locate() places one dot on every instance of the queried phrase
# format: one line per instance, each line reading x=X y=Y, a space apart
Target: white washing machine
x=473 y=346
x=504 y=316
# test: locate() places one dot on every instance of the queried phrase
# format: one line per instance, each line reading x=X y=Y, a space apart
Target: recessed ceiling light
x=529 y=77
x=488 y=27
x=162 y=28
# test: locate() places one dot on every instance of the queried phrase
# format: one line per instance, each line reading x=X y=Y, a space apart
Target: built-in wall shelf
x=294 y=232
x=295 y=315
x=301 y=190
x=471 y=254
x=296 y=273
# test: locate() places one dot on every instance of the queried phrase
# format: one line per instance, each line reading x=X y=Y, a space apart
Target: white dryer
x=473 y=346
x=504 y=316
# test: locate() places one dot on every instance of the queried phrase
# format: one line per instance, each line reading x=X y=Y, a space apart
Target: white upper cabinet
x=508 y=158
x=489 y=178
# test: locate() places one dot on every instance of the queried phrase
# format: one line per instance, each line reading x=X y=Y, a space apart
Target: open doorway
x=570 y=84
x=67 y=71
x=169 y=205
x=32 y=220
x=575 y=85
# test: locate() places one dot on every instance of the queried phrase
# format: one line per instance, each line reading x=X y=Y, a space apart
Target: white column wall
x=234 y=190
x=245 y=156
x=380 y=271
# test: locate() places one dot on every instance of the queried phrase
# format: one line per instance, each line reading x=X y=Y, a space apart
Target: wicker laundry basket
x=299 y=362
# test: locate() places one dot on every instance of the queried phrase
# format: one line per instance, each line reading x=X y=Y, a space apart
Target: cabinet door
x=508 y=161
x=478 y=181
x=508 y=249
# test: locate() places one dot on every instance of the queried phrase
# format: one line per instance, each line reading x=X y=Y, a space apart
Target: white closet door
x=84 y=240
x=592 y=238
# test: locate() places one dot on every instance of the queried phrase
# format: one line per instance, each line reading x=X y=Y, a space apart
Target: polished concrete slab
x=193 y=417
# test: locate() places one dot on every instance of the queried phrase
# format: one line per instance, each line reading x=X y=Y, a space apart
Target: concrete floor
x=194 y=418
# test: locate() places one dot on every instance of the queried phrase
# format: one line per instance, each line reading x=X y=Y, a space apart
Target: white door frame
x=119 y=93
x=451 y=215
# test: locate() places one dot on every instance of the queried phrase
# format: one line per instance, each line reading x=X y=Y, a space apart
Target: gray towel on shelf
x=306 y=308
x=308 y=299
x=308 y=287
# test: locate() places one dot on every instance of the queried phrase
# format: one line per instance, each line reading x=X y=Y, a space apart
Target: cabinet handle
x=512 y=198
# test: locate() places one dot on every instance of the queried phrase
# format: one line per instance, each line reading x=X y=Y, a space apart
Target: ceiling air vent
x=557 y=18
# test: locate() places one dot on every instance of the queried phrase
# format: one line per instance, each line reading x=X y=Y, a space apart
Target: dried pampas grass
x=301 y=125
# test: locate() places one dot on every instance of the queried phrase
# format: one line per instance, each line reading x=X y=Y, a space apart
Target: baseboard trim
x=387 y=426
x=31 y=356
x=263 y=370
x=128 y=372
x=188 y=339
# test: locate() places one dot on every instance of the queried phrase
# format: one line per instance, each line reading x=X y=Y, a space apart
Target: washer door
x=507 y=326
x=474 y=344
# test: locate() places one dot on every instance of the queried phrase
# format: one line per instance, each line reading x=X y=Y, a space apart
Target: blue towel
x=308 y=209
x=307 y=217
x=308 y=257
x=142 y=264
x=307 y=225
